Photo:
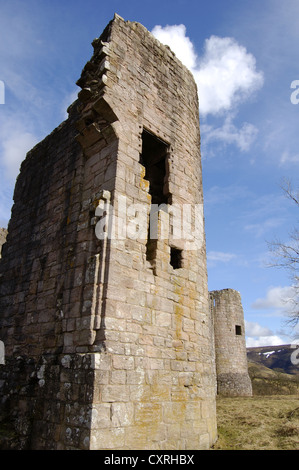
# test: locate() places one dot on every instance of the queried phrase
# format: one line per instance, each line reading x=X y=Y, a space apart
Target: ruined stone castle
x=112 y=340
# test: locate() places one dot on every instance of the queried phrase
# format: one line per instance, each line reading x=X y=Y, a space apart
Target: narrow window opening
x=154 y=158
x=151 y=247
x=238 y=330
x=175 y=258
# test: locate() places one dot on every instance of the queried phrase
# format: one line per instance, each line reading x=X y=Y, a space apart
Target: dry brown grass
x=258 y=423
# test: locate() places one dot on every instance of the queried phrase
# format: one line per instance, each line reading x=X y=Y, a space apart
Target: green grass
x=258 y=423
x=267 y=381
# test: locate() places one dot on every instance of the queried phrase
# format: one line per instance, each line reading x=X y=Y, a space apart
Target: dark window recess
x=238 y=330
x=154 y=158
x=175 y=258
x=151 y=248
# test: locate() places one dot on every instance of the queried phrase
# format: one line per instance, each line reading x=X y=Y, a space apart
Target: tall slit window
x=154 y=158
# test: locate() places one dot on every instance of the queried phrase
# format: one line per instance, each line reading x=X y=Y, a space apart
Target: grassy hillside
x=266 y=381
x=258 y=423
x=272 y=370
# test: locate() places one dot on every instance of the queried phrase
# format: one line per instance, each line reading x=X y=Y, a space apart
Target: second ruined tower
x=230 y=346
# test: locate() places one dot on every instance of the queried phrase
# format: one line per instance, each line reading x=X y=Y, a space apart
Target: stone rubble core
x=109 y=342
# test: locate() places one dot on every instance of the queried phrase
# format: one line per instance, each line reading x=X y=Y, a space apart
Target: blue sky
x=244 y=56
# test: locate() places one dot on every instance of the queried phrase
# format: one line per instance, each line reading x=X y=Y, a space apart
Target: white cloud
x=259 y=229
x=18 y=136
x=274 y=340
x=258 y=335
x=16 y=142
x=175 y=37
x=214 y=257
x=277 y=298
x=226 y=74
x=286 y=158
x=220 y=256
x=230 y=134
x=255 y=329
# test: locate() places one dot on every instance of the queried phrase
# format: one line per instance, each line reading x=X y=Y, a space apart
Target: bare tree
x=286 y=256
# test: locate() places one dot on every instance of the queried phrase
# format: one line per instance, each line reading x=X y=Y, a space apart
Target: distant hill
x=272 y=371
x=277 y=358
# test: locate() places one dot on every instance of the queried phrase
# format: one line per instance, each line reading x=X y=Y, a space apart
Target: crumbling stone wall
x=230 y=346
x=109 y=340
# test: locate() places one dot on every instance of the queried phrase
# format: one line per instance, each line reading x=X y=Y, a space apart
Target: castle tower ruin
x=230 y=346
x=104 y=305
